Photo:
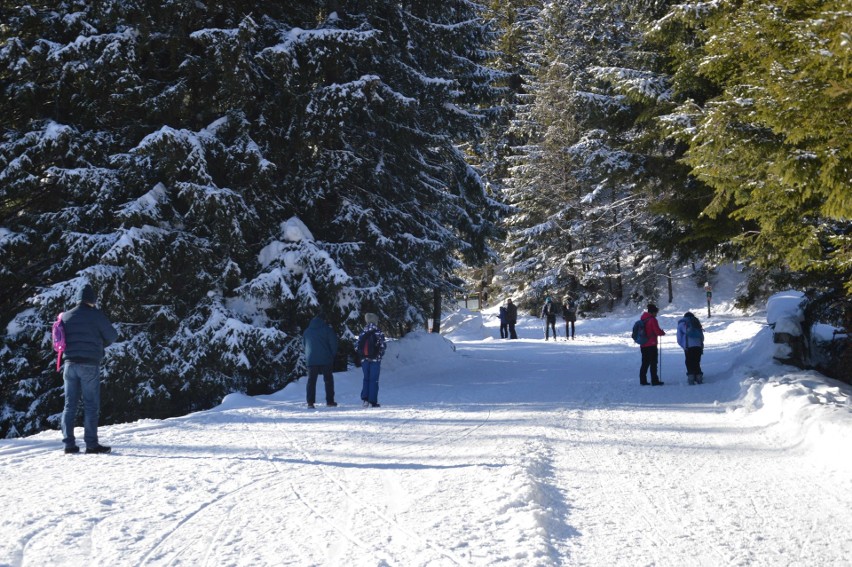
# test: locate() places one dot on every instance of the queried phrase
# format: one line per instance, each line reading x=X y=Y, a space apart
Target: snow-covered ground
x=484 y=452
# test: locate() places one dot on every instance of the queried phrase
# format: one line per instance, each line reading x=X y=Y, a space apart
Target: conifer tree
x=219 y=172
x=574 y=182
x=769 y=141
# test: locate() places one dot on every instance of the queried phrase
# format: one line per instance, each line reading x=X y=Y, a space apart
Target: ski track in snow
x=511 y=453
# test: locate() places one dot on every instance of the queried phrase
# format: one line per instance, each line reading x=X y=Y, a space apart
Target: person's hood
x=86 y=294
x=645 y=316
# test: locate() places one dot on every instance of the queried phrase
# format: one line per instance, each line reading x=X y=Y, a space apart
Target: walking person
x=649 y=347
x=371 y=348
x=548 y=313
x=504 y=322
x=320 y=344
x=690 y=337
x=511 y=318
x=569 y=313
x=87 y=332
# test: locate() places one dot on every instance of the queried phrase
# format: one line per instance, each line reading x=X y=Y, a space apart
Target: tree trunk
x=436 y=311
x=669 y=278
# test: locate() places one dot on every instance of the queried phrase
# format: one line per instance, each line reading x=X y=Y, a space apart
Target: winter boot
x=699 y=378
x=691 y=379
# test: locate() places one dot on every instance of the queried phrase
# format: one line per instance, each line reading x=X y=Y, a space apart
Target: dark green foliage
x=219 y=171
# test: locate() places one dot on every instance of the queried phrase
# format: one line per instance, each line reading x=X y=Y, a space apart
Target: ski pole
x=660 y=365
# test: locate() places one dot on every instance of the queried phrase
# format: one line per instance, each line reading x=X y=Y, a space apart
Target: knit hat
x=652 y=308
x=86 y=294
x=371 y=318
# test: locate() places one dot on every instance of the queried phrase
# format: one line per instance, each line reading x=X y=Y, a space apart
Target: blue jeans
x=81 y=381
x=370 y=389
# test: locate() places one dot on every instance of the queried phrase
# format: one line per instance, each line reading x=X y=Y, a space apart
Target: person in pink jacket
x=649 y=347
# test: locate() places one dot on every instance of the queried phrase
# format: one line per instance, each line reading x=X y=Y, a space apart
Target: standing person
x=690 y=337
x=504 y=322
x=569 y=313
x=511 y=318
x=649 y=347
x=548 y=313
x=87 y=332
x=320 y=349
x=371 y=347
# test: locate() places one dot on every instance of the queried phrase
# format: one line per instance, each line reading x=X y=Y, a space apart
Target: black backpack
x=368 y=345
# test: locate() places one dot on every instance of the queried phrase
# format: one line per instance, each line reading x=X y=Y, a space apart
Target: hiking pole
x=660 y=365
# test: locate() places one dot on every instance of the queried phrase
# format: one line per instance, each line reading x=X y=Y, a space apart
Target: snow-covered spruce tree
x=377 y=162
x=157 y=151
x=149 y=179
x=656 y=85
x=574 y=182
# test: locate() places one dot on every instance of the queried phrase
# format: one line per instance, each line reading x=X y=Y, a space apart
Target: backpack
x=694 y=330
x=640 y=336
x=368 y=346
x=58 y=334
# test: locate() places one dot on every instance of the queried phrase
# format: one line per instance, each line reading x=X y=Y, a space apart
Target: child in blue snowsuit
x=371 y=364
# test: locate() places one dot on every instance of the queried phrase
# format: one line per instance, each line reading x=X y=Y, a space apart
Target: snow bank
x=803 y=407
x=417 y=347
x=465 y=324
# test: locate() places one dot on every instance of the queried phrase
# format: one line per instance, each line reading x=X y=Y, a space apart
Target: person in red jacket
x=649 y=347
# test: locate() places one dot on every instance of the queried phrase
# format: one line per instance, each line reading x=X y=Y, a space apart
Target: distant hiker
x=511 y=318
x=548 y=313
x=569 y=313
x=320 y=349
x=649 y=347
x=87 y=332
x=504 y=322
x=371 y=348
x=690 y=337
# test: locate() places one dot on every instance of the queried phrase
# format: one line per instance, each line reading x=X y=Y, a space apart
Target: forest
x=222 y=171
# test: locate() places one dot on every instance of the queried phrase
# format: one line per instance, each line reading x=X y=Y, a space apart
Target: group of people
x=508 y=314
x=508 y=320
x=552 y=309
x=88 y=332
x=320 y=344
x=690 y=337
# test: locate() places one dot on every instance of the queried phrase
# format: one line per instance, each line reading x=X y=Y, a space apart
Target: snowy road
x=500 y=453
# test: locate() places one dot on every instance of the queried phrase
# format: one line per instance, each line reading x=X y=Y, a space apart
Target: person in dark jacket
x=649 y=347
x=320 y=349
x=511 y=318
x=569 y=313
x=690 y=337
x=87 y=332
x=371 y=364
x=504 y=323
x=548 y=313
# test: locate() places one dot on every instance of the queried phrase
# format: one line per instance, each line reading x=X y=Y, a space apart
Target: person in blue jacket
x=690 y=337
x=320 y=349
x=87 y=332
x=371 y=348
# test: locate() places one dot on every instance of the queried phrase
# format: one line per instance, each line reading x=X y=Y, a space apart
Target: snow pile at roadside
x=803 y=406
x=417 y=347
x=465 y=324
